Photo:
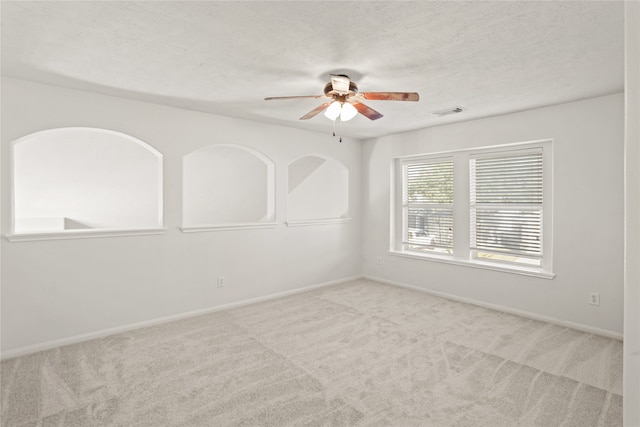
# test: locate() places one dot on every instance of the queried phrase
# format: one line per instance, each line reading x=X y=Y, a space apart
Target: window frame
x=463 y=254
x=406 y=205
x=475 y=207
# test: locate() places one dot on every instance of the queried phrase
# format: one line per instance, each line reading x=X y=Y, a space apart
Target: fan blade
x=366 y=111
x=389 y=96
x=271 y=98
x=315 y=111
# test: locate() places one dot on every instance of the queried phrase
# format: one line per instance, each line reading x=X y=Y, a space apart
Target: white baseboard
x=21 y=351
x=584 y=328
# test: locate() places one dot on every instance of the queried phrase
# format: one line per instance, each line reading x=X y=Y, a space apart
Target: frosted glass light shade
x=333 y=111
x=348 y=112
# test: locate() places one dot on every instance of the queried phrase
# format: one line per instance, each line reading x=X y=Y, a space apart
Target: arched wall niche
x=227 y=186
x=81 y=181
x=318 y=191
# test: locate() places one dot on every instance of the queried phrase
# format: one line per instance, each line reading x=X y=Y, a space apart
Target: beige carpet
x=359 y=353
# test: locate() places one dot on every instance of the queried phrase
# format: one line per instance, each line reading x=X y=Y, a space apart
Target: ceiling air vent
x=447 y=111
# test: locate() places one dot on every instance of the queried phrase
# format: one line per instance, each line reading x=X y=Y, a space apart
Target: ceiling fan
x=344 y=100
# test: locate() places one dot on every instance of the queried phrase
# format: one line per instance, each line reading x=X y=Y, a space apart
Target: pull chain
x=339 y=130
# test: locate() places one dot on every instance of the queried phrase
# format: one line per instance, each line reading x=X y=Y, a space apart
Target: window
x=506 y=207
x=487 y=207
x=427 y=206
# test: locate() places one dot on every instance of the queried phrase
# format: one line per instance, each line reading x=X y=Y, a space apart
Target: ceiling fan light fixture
x=348 y=112
x=333 y=111
x=345 y=101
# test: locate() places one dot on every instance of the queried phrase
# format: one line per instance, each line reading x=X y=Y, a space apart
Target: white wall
x=588 y=213
x=59 y=289
x=632 y=217
x=55 y=290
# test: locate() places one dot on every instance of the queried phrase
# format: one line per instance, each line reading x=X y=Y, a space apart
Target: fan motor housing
x=328 y=90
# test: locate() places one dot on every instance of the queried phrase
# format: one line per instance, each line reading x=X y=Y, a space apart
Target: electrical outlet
x=594 y=298
x=221 y=281
x=379 y=260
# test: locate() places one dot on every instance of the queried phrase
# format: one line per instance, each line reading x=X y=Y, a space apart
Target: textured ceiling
x=224 y=57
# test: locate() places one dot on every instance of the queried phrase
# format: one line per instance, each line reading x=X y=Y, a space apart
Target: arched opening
x=318 y=189
x=227 y=185
x=71 y=180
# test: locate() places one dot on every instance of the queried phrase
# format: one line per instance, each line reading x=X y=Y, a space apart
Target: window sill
x=82 y=234
x=226 y=227
x=311 y=222
x=477 y=264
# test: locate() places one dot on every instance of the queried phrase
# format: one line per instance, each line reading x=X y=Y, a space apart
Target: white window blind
x=506 y=206
x=428 y=205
